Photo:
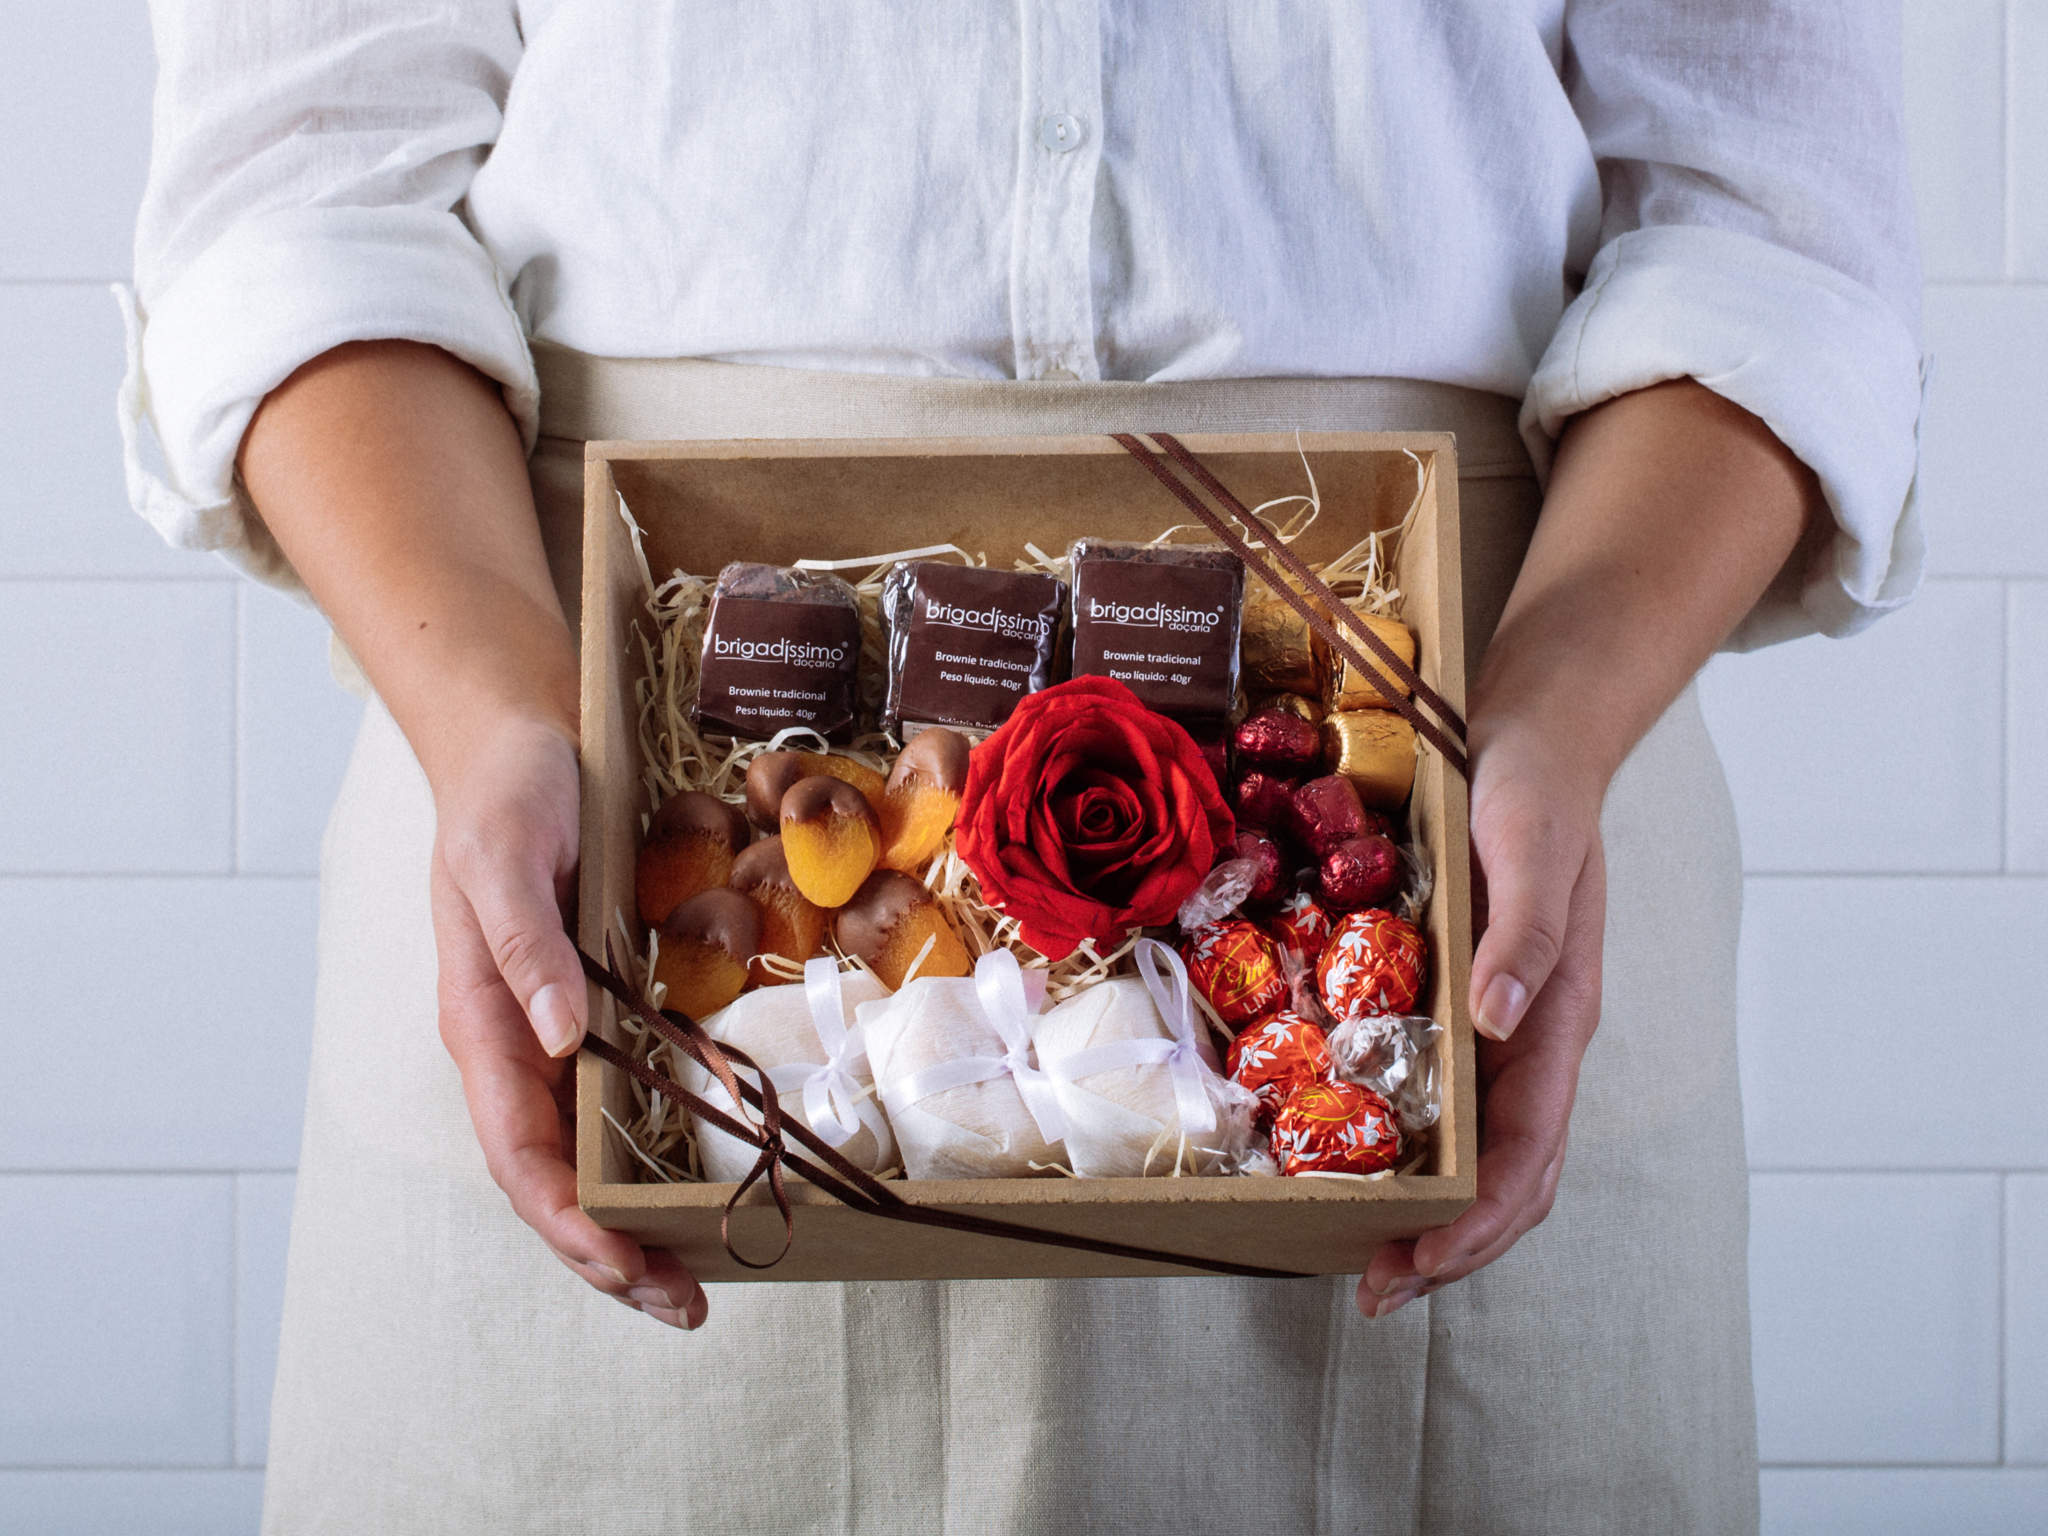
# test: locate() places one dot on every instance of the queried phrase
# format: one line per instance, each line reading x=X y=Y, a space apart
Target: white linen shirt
x=1557 y=200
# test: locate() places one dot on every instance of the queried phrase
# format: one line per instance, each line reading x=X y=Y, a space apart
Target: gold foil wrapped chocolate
x=1345 y=686
x=1275 y=652
x=1296 y=704
x=1375 y=750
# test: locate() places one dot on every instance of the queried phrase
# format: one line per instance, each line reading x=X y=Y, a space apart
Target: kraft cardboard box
x=701 y=504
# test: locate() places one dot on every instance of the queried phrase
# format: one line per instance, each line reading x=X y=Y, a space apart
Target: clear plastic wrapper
x=1221 y=893
x=1395 y=1056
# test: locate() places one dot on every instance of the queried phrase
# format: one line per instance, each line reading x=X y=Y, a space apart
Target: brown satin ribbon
x=846 y=1182
x=1446 y=733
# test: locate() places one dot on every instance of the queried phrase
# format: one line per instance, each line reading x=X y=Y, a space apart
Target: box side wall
x=1427 y=569
x=704 y=504
x=610 y=825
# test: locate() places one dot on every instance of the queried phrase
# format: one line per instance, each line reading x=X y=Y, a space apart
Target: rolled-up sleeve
x=1757 y=235
x=304 y=190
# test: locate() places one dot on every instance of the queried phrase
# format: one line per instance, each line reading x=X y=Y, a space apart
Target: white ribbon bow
x=1009 y=996
x=1190 y=1063
x=832 y=1099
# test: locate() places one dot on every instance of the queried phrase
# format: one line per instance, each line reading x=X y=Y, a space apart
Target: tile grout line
x=2007 y=256
x=2007 y=169
x=235 y=718
x=235 y=1323
x=2005 y=730
x=2004 y=1267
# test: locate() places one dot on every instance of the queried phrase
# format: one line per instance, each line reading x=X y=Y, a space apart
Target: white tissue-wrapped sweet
x=806 y=1038
x=953 y=1066
x=1137 y=1084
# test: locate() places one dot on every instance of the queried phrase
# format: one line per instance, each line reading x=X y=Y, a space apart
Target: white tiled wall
x=1894 y=801
x=174 y=740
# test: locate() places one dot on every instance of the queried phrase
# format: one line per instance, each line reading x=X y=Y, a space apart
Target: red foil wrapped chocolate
x=1262 y=800
x=1372 y=964
x=1360 y=872
x=1279 y=738
x=1234 y=966
x=1277 y=1055
x=1302 y=925
x=1265 y=853
x=1335 y=1128
x=1326 y=812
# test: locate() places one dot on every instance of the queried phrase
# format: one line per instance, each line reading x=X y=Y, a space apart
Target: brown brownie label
x=770 y=663
x=1166 y=630
x=967 y=644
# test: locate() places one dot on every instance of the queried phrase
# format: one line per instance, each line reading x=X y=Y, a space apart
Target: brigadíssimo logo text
x=1154 y=615
x=795 y=653
x=995 y=621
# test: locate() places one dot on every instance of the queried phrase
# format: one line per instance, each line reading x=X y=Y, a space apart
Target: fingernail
x=1399 y=1282
x=1415 y=1287
x=617 y=1275
x=1500 y=1010
x=696 y=1310
x=652 y=1296
x=667 y=1315
x=553 y=1020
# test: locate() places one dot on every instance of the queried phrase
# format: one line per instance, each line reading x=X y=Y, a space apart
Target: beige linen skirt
x=441 y=1373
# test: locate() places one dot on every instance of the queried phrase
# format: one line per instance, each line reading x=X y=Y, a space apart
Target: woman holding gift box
x=396 y=261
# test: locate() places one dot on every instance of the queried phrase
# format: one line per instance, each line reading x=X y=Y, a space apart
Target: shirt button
x=1060 y=132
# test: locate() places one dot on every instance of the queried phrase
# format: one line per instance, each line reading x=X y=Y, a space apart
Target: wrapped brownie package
x=781 y=648
x=966 y=643
x=1162 y=619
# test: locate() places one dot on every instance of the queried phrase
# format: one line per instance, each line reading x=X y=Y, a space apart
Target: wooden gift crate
x=701 y=504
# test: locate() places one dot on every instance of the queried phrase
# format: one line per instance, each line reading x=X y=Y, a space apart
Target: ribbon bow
x=833 y=1103
x=1008 y=996
x=1189 y=1062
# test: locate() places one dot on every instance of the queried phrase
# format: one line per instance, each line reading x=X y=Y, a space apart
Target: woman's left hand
x=1542 y=898
x=1669 y=512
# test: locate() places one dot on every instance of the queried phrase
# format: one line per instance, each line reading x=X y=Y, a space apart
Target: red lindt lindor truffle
x=1279 y=738
x=1325 y=812
x=1360 y=872
x=1233 y=965
x=1277 y=1055
x=1372 y=964
x=1264 y=852
x=1303 y=926
x=1263 y=800
x=1335 y=1128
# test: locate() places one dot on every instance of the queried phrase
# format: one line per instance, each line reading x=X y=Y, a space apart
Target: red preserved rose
x=1087 y=815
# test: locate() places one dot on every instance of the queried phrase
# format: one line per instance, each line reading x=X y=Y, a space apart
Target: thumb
x=1529 y=863
x=522 y=924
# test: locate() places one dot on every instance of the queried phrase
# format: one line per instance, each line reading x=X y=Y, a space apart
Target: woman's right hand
x=394 y=480
x=512 y=992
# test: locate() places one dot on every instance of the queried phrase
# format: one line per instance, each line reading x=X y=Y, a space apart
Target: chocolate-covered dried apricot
x=690 y=846
x=792 y=925
x=705 y=950
x=922 y=798
x=769 y=778
x=831 y=838
x=893 y=924
x=772 y=775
